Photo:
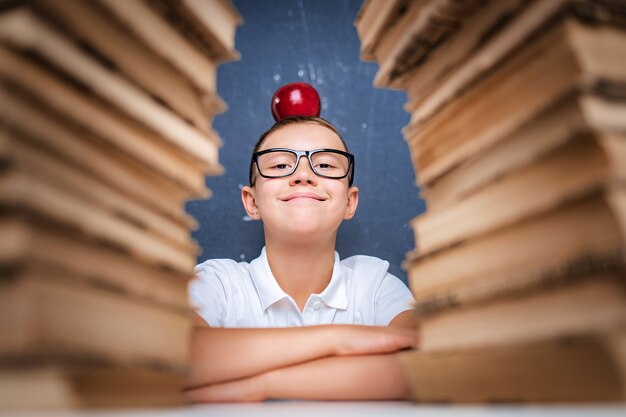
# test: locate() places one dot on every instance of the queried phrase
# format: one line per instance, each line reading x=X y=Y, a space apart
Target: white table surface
x=345 y=409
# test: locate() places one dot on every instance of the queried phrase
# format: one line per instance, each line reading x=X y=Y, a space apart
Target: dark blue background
x=314 y=41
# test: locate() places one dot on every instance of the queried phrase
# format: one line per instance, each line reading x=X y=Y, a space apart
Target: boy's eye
x=280 y=165
x=325 y=166
x=276 y=161
x=330 y=163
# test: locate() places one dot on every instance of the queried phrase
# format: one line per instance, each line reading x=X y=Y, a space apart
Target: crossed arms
x=331 y=362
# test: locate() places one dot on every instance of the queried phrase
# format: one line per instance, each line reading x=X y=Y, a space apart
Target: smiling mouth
x=303 y=198
x=298 y=196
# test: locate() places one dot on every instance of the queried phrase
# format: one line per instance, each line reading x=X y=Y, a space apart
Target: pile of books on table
x=518 y=139
x=105 y=131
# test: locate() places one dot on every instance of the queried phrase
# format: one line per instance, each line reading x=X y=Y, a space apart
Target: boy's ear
x=249 y=202
x=353 y=202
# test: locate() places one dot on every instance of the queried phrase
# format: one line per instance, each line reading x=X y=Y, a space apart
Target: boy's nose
x=303 y=172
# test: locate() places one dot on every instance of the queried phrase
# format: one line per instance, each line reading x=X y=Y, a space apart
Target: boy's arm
x=405 y=320
x=223 y=354
x=367 y=377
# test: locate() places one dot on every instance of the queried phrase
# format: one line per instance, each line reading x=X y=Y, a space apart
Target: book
x=567 y=56
x=557 y=370
x=24 y=191
x=517 y=141
x=214 y=24
x=31 y=240
x=21 y=154
x=419 y=77
x=587 y=163
x=565 y=120
x=583 y=305
x=24 y=29
x=171 y=44
x=61 y=387
x=480 y=43
x=374 y=18
x=41 y=126
x=424 y=27
x=392 y=39
x=105 y=133
x=91 y=22
x=573 y=238
x=47 y=314
x=40 y=85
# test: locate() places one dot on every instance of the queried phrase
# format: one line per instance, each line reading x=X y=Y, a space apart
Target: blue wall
x=314 y=41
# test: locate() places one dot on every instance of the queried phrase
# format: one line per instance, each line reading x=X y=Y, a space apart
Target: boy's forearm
x=220 y=354
x=369 y=377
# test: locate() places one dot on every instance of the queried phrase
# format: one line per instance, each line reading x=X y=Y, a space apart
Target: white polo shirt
x=361 y=291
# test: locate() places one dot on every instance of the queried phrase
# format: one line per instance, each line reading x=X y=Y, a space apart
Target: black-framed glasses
x=283 y=162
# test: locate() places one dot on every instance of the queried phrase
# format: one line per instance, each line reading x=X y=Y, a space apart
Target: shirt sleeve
x=393 y=297
x=207 y=294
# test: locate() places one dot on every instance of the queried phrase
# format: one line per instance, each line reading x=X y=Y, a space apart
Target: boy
x=315 y=327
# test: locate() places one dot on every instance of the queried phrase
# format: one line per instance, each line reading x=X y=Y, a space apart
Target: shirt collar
x=336 y=292
x=266 y=286
x=334 y=295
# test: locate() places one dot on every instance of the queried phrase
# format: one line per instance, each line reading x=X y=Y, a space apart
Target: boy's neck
x=301 y=270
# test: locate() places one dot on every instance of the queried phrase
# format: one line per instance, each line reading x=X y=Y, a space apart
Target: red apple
x=295 y=99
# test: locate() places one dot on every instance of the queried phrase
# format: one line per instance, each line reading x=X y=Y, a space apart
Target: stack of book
x=105 y=131
x=518 y=139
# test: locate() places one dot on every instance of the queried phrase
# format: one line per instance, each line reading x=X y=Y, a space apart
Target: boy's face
x=304 y=205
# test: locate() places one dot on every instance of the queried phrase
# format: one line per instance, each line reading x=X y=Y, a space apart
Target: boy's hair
x=292 y=121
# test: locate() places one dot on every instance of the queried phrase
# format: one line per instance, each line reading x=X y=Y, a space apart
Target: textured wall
x=313 y=41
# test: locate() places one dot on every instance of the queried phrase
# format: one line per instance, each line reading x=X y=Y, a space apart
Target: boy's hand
x=364 y=340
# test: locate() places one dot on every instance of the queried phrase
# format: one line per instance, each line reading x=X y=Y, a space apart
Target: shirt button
x=317 y=305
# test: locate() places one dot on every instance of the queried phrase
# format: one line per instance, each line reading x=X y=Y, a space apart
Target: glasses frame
x=299 y=155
